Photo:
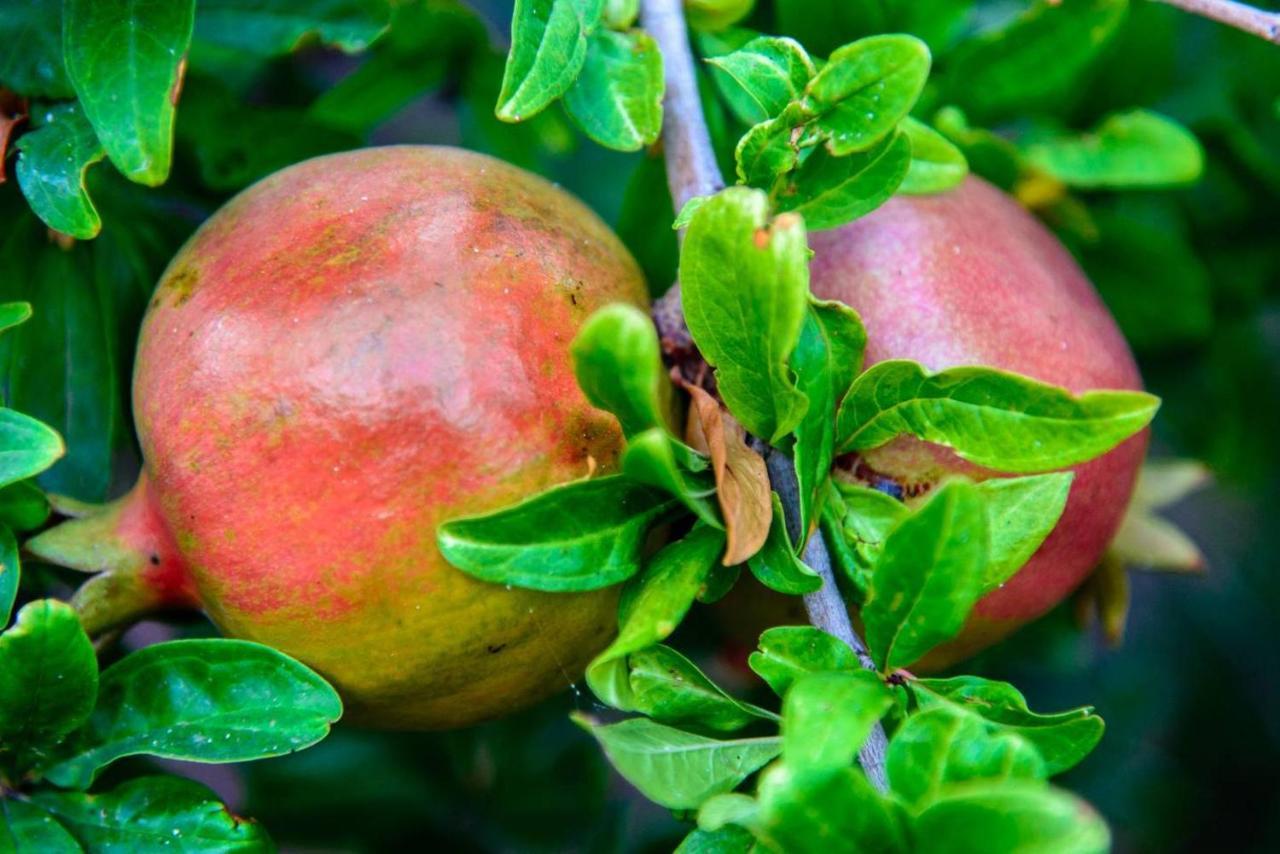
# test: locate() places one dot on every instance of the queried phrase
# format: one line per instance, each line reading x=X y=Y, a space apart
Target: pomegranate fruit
x=348 y=353
x=968 y=277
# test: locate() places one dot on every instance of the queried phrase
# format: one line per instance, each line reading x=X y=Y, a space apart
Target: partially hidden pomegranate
x=968 y=277
x=348 y=353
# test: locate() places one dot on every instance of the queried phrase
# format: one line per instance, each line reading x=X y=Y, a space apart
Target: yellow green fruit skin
x=349 y=353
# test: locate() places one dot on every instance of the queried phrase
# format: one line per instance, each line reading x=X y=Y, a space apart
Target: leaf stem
x=1243 y=17
x=692 y=171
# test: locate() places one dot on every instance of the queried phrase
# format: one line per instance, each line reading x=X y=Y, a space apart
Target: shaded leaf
x=26 y=827
x=928 y=577
x=670 y=688
x=212 y=700
x=936 y=164
x=655 y=458
x=31 y=63
x=678 y=769
x=726 y=840
x=269 y=27
x=826 y=717
x=10 y=574
x=579 y=536
x=125 y=60
x=1134 y=149
x=771 y=149
x=52 y=163
x=617 y=98
x=829 y=191
x=548 y=49
x=776 y=566
x=992 y=418
x=821 y=812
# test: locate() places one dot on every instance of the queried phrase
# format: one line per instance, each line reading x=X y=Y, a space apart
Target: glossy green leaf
x=617 y=98
x=928 y=578
x=760 y=78
x=1063 y=739
x=1021 y=512
x=869 y=517
x=151 y=814
x=678 y=769
x=52 y=162
x=655 y=458
x=843 y=548
x=619 y=367
x=269 y=27
x=821 y=812
x=27 y=447
x=939 y=748
x=1134 y=149
x=771 y=149
x=37 y=711
x=25 y=827
x=826 y=360
x=789 y=652
x=211 y=700
x=669 y=688
x=830 y=191
x=14 y=314
x=548 y=49
x=124 y=58
x=31 y=63
x=23 y=506
x=64 y=370
x=654 y=603
x=579 y=536
x=936 y=164
x=1025 y=816
x=1034 y=59
x=826 y=717
x=989 y=417
x=865 y=89
x=776 y=565
x=745 y=284
x=10 y=574
x=726 y=840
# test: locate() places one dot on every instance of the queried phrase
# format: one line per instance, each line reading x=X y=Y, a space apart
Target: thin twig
x=1257 y=22
x=692 y=171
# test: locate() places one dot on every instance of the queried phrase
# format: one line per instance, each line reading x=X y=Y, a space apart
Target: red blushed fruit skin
x=349 y=353
x=968 y=277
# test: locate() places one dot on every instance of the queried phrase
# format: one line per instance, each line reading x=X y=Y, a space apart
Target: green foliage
x=51 y=170
x=1009 y=818
x=826 y=717
x=549 y=41
x=619 y=368
x=760 y=78
x=617 y=98
x=776 y=565
x=271 y=27
x=1134 y=149
x=10 y=572
x=789 y=652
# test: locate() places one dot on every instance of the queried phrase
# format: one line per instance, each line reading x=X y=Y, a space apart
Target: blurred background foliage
x=1191 y=760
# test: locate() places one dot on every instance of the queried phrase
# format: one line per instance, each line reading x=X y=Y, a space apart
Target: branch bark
x=692 y=171
x=1258 y=22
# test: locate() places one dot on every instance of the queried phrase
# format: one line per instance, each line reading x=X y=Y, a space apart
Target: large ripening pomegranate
x=348 y=353
x=968 y=277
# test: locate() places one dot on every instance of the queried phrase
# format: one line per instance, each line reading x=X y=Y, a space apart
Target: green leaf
x=670 y=688
x=826 y=360
x=826 y=717
x=1063 y=739
x=745 y=291
x=829 y=191
x=936 y=164
x=655 y=458
x=1022 y=816
x=23 y=506
x=938 y=748
x=771 y=149
x=726 y=840
x=990 y=155
x=48 y=678
x=620 y=14
x=26 y=827
x=928 y=578
x=212 y=700
x=617 y=98
x=865 y=89
x=995 y=419
x=844 y=555
x=1034 y=59
x=822 y=812
x=1134 y=149
x=654 y=603
x=1021 y=512
x=760 y=78
x=548 y=50
x=789 y=652
x=52 y=162
x=619 y=367
x=31 y=63
x=870 y=516
x=153 y=813
x=776 y=565
x=27 y=447
x=270 y=27
x=713 y=15
x=10 y=574
x=124 y=58
x=14 y=314
x=677 y=769
x=583 y=535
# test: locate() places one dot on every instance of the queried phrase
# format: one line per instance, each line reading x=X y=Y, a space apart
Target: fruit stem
x=692 y=171
x=1256 y=22
x=128 y=547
